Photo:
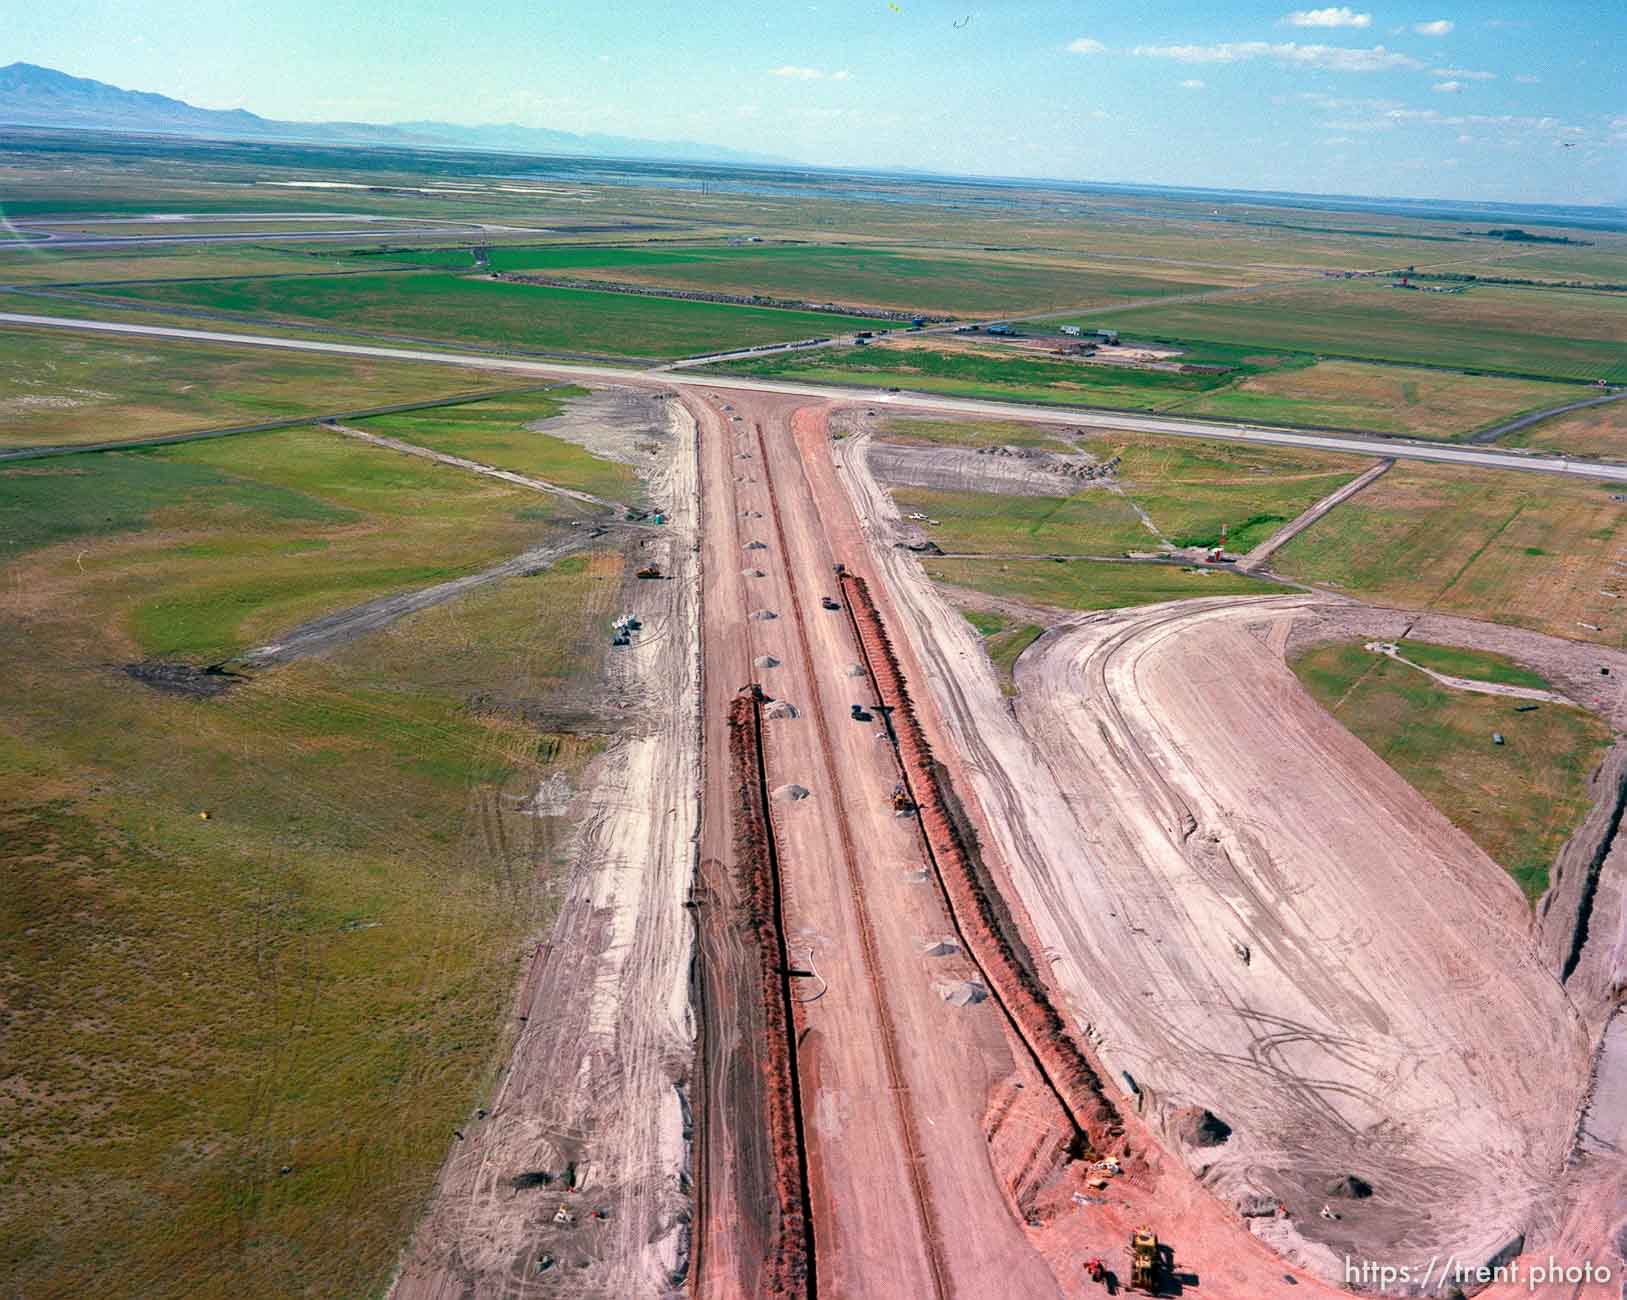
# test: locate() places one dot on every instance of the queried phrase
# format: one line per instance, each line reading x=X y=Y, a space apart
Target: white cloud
x=1100 y=114
x=1447 y=87
x=1192 y=83
x=1343 y=16
x=1336 y=58
x=1464 y=74
x=1440 y=27
x=794 y=73
x=1086 y=45
x=843 y=75
x=1527 y=79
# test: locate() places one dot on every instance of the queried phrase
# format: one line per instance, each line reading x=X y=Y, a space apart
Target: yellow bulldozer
x=1144 y=1260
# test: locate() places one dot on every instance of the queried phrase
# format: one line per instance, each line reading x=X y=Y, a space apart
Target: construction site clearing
x=1149 y=979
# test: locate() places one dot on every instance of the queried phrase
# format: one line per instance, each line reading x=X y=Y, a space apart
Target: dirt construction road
x=897 y=1073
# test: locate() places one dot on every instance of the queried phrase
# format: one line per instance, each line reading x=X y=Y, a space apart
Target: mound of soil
x=792 y=793
x=1351 y=1188
x=765 y=661
x=183 y=679
x=1198 y=1127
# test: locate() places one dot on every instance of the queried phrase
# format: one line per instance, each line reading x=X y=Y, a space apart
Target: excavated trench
x=789 y=1267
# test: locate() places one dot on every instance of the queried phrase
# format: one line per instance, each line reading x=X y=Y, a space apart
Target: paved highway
x=1399 y=448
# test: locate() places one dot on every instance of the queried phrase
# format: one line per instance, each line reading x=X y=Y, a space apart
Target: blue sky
x=1438 y=98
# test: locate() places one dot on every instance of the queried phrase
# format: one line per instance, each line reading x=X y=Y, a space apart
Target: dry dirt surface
x=1249 y=912
x=899 y=1072
x=1015 y=471
x=577 y=1183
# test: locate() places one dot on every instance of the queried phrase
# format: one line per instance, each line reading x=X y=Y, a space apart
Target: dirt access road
x=897 y=1076
x=591 y=1116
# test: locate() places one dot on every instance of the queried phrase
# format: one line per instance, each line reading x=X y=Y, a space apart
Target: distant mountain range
x=43 y=97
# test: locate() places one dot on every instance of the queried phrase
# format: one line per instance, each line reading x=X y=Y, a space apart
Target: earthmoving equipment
x=649 y=571
x=1217 y=553
x=861 y=714
x=1095 y=1270
x=902 y=807
x=1144 y=1260
x=827 y=603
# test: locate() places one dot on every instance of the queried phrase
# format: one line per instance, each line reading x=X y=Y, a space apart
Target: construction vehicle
x=1095 y=1270
x=649 y=571
x=1217 y=553
x=862 y=714
x=827 y=603
x=1144 y=1260
x=902 y=807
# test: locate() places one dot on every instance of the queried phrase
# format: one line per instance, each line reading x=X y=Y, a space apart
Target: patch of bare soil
x=625 y=424
x=1014 y=471
x=183 y=679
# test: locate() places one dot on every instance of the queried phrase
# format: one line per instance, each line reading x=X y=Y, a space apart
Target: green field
x=1089 y=584
x=495 y=432
x=217 y=545
x=493 y=314
x=1004 y=640
x=1186 y=489
x=1533 y=550
x=57 y=387
x=1281 y=387
x=46 y=265
x=1381 y=399
x=961 y=371
x=895 y=279
x=238 y=1045
x=1519 y=801
x=1477 y=665
x=1545 y=333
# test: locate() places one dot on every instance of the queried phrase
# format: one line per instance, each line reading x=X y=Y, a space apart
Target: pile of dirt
x=1198 y=1127
x=765 y=661
x=778 y=709
x=787 y=1255
x=1351 y=1188
x=1025 y=998
x=962 y=993
x=791 y=793
x=752 y=573
x=763 y=615
x=183 y=679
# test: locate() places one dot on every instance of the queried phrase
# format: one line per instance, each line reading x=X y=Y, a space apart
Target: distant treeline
x=1514 y=235
x=1464 y=278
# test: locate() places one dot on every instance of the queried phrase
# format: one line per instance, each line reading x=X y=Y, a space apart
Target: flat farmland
x=1546 y=333
x=494 y=314
x=1595 y=431
x=62 y=388
x=1520 y=800
x=499 y=431
x=1531 y=550
x=1382 y=399
x=45 y=264
x=897 y=279
x=256 y=1031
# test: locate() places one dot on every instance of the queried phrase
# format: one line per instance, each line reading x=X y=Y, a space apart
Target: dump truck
x=902 y=807
x=650 y=571
x=1144 y=1260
